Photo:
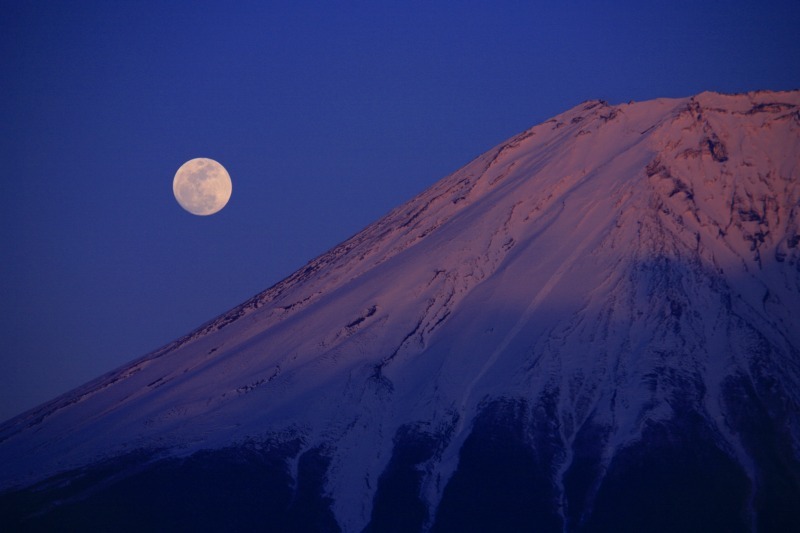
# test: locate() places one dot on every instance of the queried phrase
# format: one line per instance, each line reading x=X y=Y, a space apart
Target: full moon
x=202 y=186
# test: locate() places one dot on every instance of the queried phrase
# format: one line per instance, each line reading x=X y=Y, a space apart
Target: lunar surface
x=202 y=186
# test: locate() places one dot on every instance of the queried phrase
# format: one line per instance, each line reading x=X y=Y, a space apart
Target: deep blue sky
x=326 y=115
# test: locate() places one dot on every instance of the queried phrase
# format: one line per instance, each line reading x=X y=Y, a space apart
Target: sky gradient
x=325 y=114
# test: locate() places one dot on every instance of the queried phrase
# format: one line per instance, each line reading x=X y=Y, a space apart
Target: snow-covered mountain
x=594 y=326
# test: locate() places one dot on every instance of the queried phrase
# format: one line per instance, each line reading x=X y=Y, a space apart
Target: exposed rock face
x=592 y=327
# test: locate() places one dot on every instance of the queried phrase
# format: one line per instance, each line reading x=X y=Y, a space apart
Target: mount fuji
x=594 y=326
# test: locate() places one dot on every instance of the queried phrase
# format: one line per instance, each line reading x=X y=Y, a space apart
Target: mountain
x=594 y=326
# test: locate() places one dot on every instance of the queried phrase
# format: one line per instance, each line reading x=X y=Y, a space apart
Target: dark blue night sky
x=326 y=115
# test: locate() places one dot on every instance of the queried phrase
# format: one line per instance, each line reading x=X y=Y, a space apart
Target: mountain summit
x=594 y=326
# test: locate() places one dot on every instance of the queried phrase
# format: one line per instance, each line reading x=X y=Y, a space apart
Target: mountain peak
x=611 y=289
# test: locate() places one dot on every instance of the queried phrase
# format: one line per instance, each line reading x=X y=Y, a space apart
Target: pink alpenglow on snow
x=593 y=326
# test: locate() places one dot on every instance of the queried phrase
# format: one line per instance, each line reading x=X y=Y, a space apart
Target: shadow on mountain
x=679 y=473
x=504 y=479
x=398 y=505
x=515 y=472
x=246 y=488
x=675 y=478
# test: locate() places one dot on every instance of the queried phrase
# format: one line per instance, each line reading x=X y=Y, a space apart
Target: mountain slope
x=586 y=328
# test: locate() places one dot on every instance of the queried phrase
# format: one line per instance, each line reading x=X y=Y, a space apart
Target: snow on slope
x=619 y=260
